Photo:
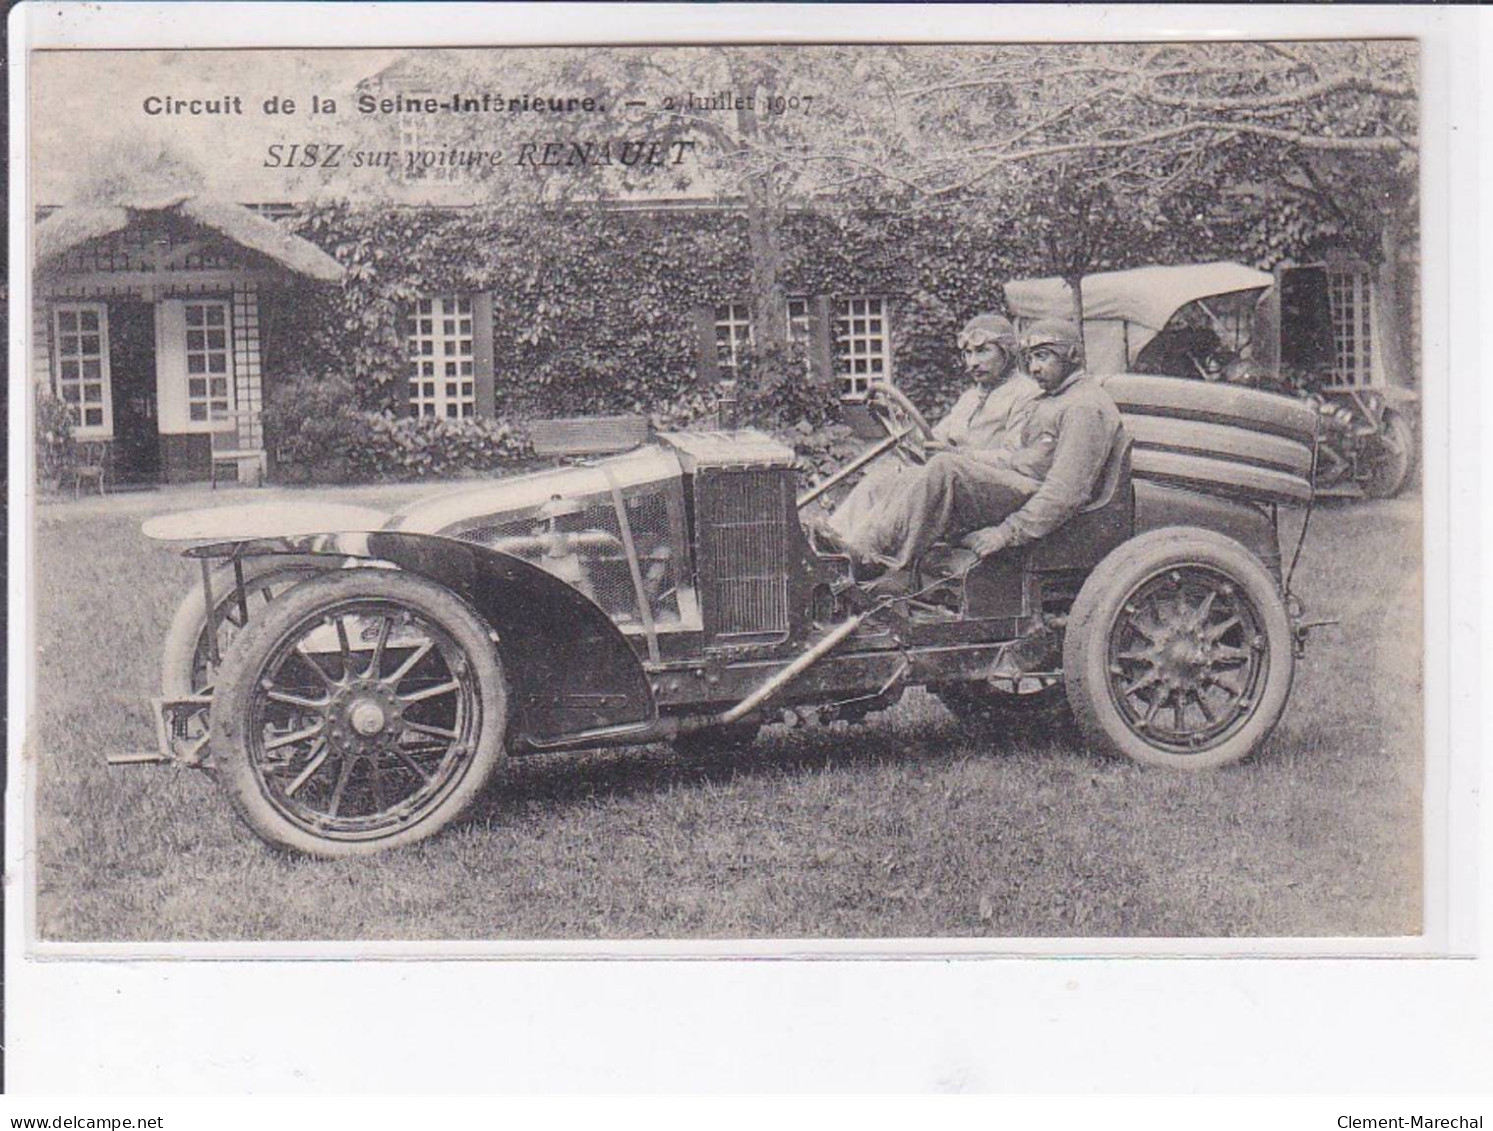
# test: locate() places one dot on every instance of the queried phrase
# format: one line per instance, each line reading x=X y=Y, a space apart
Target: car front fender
x=570 y=669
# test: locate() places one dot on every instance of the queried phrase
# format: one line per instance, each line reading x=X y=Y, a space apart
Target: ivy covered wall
x=596 y=311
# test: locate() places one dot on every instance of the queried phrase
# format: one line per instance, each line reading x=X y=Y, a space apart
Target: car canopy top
x=1123 y=310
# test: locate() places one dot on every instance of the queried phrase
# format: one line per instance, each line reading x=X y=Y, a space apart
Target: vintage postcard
x=713 y=492
x=706 y=482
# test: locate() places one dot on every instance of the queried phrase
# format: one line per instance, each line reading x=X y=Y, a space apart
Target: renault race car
x=355 y=678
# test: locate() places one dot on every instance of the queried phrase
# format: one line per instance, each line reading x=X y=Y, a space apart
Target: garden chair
x=90 y=464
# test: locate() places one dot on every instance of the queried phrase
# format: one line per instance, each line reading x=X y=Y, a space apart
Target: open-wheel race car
x=1227 y=323
x=355 y=678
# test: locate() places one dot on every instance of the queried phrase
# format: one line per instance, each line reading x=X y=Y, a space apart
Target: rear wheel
x=1393 y=459
x=364 y=710
x=1179 y=651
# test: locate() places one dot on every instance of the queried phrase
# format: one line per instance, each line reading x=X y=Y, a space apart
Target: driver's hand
x=990 y=540
x=933 y=444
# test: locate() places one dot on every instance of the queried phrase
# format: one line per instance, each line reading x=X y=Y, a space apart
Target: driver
x=1013 y=496
x=984 y=420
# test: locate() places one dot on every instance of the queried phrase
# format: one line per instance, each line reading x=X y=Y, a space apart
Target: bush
x=54 y=436
x=820 y=451
x=420 y=447
x=317 y=432
x=310 y=422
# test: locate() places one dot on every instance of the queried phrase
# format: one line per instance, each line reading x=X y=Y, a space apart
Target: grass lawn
x=907 y=825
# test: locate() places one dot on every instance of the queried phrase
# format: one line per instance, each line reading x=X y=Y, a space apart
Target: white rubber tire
x=1097 y=613
x=246 y=666
x=265 y=578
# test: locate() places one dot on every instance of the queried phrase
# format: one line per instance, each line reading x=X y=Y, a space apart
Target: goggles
x=977 y=338
x=1057 y=349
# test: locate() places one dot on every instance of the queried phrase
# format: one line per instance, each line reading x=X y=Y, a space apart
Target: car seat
x=1105 y=521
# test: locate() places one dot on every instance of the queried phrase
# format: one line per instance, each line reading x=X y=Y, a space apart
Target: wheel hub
x=367 y=717
x=364 y=716
x=1183 y=659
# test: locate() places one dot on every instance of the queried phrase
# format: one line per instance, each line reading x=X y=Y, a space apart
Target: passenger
x=997 y=500
x=986 y=418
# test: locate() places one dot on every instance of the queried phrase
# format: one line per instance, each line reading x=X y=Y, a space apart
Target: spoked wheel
x=1393 y=459
x=187 y=666
x=363 y=711
x=1179 y=651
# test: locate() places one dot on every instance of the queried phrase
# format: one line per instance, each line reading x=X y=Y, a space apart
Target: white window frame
x=418 y=130
x=1350 y=297
x=863 y=344
x=441 y=347
x=800 y=313
x=67 y=352
x=733 y=330
x=175 y=346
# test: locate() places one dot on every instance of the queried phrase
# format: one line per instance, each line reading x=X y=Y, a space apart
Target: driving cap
x=984 y=328
x=1051 y=332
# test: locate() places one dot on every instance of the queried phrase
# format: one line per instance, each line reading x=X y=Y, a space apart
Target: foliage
x=313 y=420
x=819 y=452
x=316 y=429
x=594 y=309
x=53 y=436
x=428 y=446
x=968 y=168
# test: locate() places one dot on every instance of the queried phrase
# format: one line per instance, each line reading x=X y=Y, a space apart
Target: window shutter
x=404 y=402
x=708 y=367
x=482 y=353
x=821 y=341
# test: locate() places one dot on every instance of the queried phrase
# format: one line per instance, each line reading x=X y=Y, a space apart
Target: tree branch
x=1358 y=83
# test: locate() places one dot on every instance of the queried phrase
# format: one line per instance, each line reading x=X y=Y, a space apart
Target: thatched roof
x=264 y=236
x=67 y=228
x=75 y=225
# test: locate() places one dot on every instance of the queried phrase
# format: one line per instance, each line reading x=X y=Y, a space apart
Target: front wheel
x=363 y=710
x=1179 y=651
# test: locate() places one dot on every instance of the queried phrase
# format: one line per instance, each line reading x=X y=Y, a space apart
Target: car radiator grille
x=743 y=535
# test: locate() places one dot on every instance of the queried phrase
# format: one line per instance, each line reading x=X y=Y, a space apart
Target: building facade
x=147 y=323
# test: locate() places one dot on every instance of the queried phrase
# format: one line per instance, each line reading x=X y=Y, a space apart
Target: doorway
x=132 y=365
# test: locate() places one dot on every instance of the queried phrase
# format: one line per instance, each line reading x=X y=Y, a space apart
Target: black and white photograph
x=851 y=492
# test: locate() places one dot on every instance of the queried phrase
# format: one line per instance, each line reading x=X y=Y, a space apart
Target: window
x=1350 y=294
x=194 y=364
x=733 y=335
x=441 y=345
x=801 y=330
x=862 y=356
x=421 y=132
x=81 y=334
x=208 y=350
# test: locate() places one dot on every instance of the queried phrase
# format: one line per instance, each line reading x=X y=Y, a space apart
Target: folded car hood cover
x=261 y=520
x=1148 y=296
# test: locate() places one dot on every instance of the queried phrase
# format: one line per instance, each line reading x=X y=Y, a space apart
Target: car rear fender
x=569 y=668
x=1158 y=505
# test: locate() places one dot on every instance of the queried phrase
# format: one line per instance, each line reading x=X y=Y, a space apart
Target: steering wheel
x=900 y=419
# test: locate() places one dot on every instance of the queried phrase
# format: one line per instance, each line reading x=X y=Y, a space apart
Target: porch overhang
x=75 y=225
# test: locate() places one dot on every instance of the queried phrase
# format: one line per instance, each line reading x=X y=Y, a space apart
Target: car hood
x=451 y=509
